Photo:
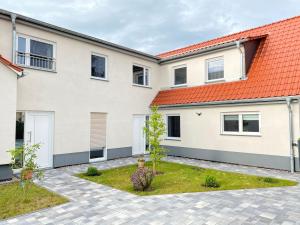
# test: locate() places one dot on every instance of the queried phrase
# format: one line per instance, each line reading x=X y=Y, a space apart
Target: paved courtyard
x=92 y=204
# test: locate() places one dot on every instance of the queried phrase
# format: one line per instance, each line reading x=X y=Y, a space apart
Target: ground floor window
x=173 y=126
x=97 y=136
x=241 y=123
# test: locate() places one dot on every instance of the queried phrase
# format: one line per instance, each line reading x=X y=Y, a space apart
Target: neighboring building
x=85 y=99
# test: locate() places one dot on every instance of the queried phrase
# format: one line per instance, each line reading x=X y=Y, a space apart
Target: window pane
x=98 y=66
x=173 y=126
x=97 y=153
x=146 y=77
x=180 y=76
x=251 y=123
x=21 y=44
x=231 y=123
x=138 y=75
x=41 y=54
x=21 y=50
x=41 y=49
x=215 y=69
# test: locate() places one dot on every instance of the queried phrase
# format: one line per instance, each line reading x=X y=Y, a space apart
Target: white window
x=140 y=75
x=180 y=74
x=246 y=123
x=215 y=69
x=99 y=67
x=35 y=53
x=173 y=126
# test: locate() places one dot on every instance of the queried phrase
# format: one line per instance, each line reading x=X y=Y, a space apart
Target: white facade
x=71 y=94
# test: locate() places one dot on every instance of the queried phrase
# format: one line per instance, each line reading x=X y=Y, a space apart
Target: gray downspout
x=291 y=135
x=242 y=59
x=14 y=36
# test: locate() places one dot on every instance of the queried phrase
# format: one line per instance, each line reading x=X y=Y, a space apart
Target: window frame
x=175 y=68
x=28 y=38
x=144 y=75
x=240 y=120
x=167 y=127
x=207 y=61
x=106 y=67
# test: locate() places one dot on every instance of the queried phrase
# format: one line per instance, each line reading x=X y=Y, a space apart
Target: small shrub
x=92 y=171
x=142 y=178
x=268 y=180
x=211 y=182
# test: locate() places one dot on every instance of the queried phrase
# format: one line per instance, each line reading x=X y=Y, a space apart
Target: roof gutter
x=228 y=102
x=203 y=51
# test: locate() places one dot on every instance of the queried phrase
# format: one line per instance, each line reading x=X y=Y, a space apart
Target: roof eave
x=230 y=102
x=202 y=51
x=111 y=45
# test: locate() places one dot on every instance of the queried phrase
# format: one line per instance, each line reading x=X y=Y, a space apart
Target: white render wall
x=196 y=68
x=204 y=132
x=8 y=102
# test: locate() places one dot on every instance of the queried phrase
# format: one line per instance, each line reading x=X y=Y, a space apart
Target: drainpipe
x=14 y=36
x=291 y=135
x=242 y=59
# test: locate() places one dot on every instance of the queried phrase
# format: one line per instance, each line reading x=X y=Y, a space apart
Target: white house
x=232 y=99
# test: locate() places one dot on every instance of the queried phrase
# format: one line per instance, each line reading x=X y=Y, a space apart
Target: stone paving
x=92 y=203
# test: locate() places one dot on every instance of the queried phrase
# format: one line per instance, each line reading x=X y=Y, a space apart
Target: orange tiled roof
x=275 y=69
x=9 y=64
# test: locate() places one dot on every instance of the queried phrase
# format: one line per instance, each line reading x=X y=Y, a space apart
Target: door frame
x=50 y=131
x=145 y=141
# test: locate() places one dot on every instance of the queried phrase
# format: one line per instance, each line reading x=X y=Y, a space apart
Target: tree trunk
x=154 y=167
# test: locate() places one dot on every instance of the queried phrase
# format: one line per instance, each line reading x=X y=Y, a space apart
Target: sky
x=155 y=26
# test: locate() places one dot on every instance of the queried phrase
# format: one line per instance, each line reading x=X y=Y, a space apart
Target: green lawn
x=12 y=201
x=179 y=178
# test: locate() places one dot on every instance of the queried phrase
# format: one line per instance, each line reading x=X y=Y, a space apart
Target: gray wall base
x=115 y=153
x=6 y=172
x=259 y=160
x=71 y=159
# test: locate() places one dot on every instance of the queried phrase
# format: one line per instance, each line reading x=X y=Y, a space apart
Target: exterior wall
x=8 y=101
x=196 y=68
x=72 y=95
x=203 y=133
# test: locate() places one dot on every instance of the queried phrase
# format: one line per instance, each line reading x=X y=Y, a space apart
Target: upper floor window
x=173 y=126
x=215 y=69
x=241 y=123
x=98 y=68
x=140 y=75
x=180 y=76
x=35 y=53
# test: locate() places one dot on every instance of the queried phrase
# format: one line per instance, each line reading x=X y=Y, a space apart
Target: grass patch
x=180 y=178
x=12 y=201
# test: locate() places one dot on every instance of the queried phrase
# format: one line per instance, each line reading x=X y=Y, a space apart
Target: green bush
x=211 y=182
x=92 y=171
x=268 y=180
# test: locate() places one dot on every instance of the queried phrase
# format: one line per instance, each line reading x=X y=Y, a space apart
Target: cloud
x=155 y=26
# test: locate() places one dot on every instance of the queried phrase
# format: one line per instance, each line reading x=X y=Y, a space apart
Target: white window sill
x=179 y=86
x=250 y=134
x=37 y=68
x=99 y=78
x=215 y=81
x=173 y=139
x=143 y=86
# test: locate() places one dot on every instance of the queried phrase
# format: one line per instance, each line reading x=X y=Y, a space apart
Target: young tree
x=154 y=129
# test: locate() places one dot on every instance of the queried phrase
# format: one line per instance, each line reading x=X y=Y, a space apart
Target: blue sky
x=155 y=26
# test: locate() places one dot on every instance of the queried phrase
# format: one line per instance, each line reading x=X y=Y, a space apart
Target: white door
x=39 y=130
x=139 y=140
